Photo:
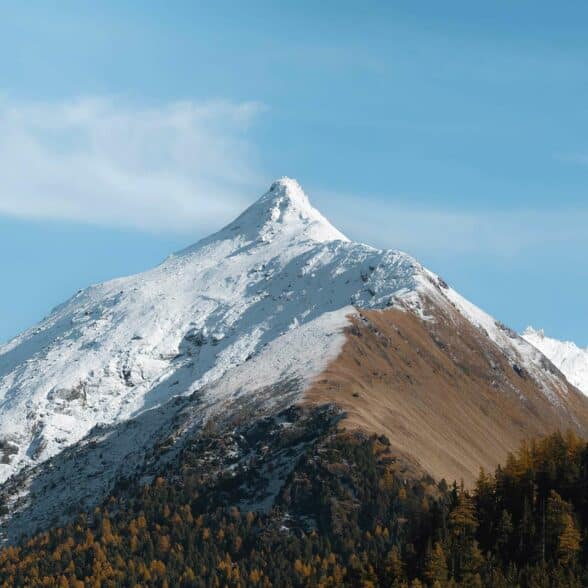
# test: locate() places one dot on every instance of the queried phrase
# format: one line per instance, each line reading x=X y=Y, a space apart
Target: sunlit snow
x=566 y=356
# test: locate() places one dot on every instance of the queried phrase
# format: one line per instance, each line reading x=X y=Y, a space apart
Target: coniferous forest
x=347 y=515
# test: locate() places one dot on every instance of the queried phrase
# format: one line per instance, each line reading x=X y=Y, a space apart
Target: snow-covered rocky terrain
x=570 y=359
x=278 y=272
x=263 y=301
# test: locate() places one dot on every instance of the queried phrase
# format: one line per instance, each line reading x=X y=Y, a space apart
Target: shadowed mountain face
x=276 y=309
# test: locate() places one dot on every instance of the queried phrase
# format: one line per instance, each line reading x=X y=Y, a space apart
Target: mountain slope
x=277 y=308
x=442 y=391
x=567 y=356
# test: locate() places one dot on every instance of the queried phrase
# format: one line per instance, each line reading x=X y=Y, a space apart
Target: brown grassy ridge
x=442 y=392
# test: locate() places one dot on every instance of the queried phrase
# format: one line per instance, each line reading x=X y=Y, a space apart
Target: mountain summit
x=276 y=309
x=284 y=209
x=284 y=213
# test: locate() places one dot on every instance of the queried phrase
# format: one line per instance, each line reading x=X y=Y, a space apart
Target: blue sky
x=456 y=131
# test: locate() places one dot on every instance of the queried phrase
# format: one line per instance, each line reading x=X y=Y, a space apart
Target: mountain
x=276 y=309
x=277 y=278
x=567 y=356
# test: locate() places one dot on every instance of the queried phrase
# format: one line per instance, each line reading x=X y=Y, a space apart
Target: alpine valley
x=283 y=385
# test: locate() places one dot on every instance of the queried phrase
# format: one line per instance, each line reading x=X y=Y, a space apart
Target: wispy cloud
x=189 y=166
x=175 y=166
x=429 y=231
x=574 y=158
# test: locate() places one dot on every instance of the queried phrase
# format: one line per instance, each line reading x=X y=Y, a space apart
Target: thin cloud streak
x=175 y=167
x=573 y=158
x=505 y=234
x=188 y=167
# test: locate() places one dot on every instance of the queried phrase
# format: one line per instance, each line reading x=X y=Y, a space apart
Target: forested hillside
x=349 y=513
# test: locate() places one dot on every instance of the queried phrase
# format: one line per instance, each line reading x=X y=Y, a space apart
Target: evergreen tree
x=436 y=565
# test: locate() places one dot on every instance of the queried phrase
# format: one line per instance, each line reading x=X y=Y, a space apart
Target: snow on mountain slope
x=118 y=348
x=567 y=356
x=263 y=301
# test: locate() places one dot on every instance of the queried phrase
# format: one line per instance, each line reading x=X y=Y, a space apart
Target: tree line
x=347 y=515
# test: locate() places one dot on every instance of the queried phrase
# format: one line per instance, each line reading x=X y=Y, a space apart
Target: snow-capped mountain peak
x=284 y=210
x=124 y=346
x=260 y=305
x=565 y=355
x=248 y=321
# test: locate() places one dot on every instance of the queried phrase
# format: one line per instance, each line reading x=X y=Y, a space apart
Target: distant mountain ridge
x=566 y=355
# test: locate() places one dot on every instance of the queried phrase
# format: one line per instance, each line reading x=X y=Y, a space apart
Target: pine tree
x=569 y=541
x=503 y=533
x=436 y=565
